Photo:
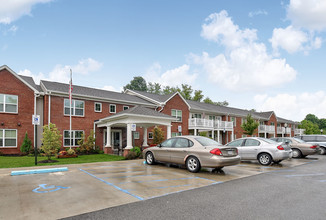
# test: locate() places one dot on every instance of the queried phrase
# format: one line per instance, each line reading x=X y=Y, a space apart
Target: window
x=235 y=143
x=98 y=107
x=211 y=117
x=243 y=120
x=76 y=136
x=125 y=107
x=112 y=108
x=168 y=143
x=233 y=119
x=251 y=142
x=321 y=139
x=196 y=115
x=136 y=135
x=175 y=134
x=309 y=138
x=77 y=107
x=150 y=135
x=182 y=143
x=204 y=141
x=272 y=124
x=8 y=138
x=177 y=114
x=8 y=103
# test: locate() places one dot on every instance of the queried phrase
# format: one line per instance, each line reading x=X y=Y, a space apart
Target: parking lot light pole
x=321 y=131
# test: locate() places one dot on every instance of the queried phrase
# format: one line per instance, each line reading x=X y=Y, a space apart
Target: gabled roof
x=283 y=120
x=140 y=110
x=62 y=88
x=28 y=81
x=264 y=115
x=154 y=97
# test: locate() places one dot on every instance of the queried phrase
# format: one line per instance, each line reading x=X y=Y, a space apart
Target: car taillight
x=313 y=147
x=216 y=151
x=280 y=147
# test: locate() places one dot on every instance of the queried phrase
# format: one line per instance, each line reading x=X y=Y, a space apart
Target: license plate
x=230 y=153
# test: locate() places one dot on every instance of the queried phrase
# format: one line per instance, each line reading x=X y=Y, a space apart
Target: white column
x=213 y=134
x=232 y=138
x=274 y=134
x=218 y=136
x=108 y=136
x=145 y=137
x=129 y=137
x=265 y=135
x=195 y=132
x=168 y=131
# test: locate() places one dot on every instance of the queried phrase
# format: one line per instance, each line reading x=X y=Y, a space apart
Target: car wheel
x=322 y=150
x=150 y=160
x=264 y=159
x=193 y=164
x=296 y=153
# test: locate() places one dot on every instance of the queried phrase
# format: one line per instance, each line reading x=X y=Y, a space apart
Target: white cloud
x=246 y=65
x=61 y=73
x=255 y=13
x=112 y=88
x=12 y=10
x=294 y=107
x=173 y=77
x=308 y=14
x=220 y=28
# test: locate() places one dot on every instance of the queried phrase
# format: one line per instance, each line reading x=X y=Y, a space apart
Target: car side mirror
x=287 y=142
x=159 y=145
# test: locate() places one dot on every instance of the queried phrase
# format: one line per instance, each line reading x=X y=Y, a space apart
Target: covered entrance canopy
x=141 y=116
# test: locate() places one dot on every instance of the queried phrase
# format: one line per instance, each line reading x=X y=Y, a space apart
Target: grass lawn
x=27 y=161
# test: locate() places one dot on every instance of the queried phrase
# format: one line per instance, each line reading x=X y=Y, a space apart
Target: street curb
x=50 y=170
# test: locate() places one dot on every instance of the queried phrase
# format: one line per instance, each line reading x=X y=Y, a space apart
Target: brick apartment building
x=112 y=115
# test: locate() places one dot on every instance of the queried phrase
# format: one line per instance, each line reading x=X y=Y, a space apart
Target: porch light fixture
x=2 y=123
x=19 y=124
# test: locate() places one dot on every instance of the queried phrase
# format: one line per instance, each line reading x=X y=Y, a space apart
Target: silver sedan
x=264 y=150
x=194 y=152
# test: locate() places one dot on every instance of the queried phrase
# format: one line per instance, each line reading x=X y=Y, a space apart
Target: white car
x=264 y=150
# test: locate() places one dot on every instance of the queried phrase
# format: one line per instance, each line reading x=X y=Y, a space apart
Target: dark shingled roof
x=31 y=82
x=156 y=97
x=91 y=92
x=140 y=110
x=283 y=120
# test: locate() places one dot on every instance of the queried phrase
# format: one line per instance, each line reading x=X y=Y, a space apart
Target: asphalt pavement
x=294 y=193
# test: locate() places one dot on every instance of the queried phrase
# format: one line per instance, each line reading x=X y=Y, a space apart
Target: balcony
x=283 y=130
x=299 y=131
x=266 y=129
x=199 y=123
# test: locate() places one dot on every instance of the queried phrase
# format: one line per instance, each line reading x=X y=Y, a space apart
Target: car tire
x=322 y=151
x=296 y=153
x=264 y=159
x=150 y=160
x=193 y=164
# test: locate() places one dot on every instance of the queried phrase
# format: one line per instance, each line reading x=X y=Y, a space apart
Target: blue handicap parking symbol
x=45 y=189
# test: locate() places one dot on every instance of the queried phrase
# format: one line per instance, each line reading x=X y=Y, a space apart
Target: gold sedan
x=194 y=152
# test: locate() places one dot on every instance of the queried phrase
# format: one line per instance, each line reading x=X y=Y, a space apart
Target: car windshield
x=206 y=141
x=298 y=140
x=269 y=141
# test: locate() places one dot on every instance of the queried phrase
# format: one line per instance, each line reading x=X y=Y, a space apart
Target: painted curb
x=26 y=172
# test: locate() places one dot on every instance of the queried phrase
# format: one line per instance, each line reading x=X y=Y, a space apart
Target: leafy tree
x=138 y=83
x=51 y=140
x=224 y=103
x=310 y=127
x=322 y=123
x=186 y=91
x=313 y=118
x=250 y=125
x=154 y=88
x=170 y=90
x=158 y=135
x=198 y=95
x=87 y=145
x=208 y=100
x=27 y=144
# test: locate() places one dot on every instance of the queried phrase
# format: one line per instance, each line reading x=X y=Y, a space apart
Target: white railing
x=287 y=130
x=299 y=131
x=209 y=124
x=266 y=128
x=280 y=130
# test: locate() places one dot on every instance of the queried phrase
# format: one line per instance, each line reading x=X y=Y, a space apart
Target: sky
x=263 y=55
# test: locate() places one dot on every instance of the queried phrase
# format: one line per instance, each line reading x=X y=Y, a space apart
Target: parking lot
x=89 y=187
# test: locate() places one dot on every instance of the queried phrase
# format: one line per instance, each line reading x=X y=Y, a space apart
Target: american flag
x=70 y=87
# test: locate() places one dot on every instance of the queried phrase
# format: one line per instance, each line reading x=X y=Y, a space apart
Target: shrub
x=87 y=145
x=136 y=150
x=203 y=133
x=71 y=152
x=158 y=135
x=131 y=155
x=101 y=152
x=51 y=140
x=63 y=152
x=27 y=145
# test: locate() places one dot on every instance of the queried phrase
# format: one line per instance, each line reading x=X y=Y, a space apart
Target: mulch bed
x=67 y=156
x=47 y=161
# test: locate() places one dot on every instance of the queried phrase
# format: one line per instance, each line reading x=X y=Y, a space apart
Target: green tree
x=208 y=100
x=186 y=91
x=170 y=90
x=138 y=84
x=154 y=88
x=250 y=125
x=51 y=140
x=313 y=118
x=27 y=144
x=322 y=123
x=224 y=103
x=158 y=135
x=310 y=127
x=86 y=145
x=198 y=95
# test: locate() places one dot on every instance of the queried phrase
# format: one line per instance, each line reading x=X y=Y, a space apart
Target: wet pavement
x=89 y=187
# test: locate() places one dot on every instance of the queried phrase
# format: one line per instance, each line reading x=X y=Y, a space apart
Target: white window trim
x=100 y=106
x=4 y=104
x=136 y=132
x=235 y=121
x=115 y=108
x=73 y=107
x=3 y=138
x=125 y=107
x=73 y=131
x=152 y=135
x=176 y=116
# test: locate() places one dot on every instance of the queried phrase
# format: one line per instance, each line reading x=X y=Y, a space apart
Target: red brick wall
x=10 y=85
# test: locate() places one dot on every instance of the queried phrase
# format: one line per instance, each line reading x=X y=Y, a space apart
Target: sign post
x=35 y=122
x=133 y=129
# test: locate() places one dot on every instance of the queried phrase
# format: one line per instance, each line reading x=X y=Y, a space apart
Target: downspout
x=49 y=109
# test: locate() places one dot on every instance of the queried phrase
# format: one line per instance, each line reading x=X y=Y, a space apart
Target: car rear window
x=269 y=141
x=206 y=141
x=298 y=140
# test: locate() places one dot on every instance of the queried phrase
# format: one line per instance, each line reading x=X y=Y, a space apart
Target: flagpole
x=70 y=100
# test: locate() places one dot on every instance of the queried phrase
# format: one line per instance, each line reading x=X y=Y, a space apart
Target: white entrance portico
x=141 y=116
